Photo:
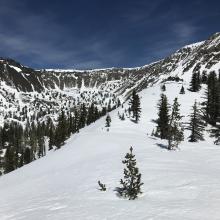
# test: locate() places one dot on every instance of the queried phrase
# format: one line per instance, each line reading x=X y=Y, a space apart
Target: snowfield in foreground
x=181 y=184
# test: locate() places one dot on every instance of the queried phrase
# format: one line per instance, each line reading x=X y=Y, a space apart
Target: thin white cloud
x=184 y=31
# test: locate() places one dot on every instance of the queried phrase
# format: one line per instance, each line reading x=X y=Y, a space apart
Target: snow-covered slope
x=181 y=184
x=63 y=185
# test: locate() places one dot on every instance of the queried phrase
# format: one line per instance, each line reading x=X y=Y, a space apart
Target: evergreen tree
x=109 y=108
x=131 y=184
x=219 y=75
x=102 y=186
x=195 y=82
x=51 y=136
x=175 y=127
x=91 y=114
x=76 y=121
x=216 y=133
x=47 y=127
x=212 y=99
x=41 y=147
x=96 y=114
x=9 y=164
x=122 y=116
x=41 y=151
x=21 y=158
x=27 y=155
x=182 y=90
x=61 y=130
x=204 y=77
x=104 y=111
x=108 y=121
x=163 y=118
x=33 y=142
x=196 y=125
x=135 y=106
x=83 y=116
x=118 y=103
x=163 y=88
x=1 y=139
x=70 y=125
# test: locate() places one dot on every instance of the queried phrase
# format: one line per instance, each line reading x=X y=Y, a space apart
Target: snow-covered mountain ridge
x=25 y=87
x=200 y=56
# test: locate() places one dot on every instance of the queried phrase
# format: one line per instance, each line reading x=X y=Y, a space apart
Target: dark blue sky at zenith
x=99 y=33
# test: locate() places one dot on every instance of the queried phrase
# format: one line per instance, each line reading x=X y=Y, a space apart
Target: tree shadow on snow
x=152 y=137
x=118 y=192
x=134 y=121
x=162 y=146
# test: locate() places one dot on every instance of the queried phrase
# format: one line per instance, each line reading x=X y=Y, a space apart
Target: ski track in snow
x=178 y=185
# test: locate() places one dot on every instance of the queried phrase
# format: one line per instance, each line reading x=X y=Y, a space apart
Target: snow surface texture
x=182 y=184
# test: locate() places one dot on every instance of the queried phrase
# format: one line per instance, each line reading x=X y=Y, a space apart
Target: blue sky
x=99 y=33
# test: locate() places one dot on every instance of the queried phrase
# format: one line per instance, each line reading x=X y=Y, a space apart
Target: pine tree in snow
x=163 y=118
x=91 y=114
x=135 y=106
x=182 y=90
x=163 y=88
x=195 y=82
x=61 y=130
x=217 y=135
x=102 y=186
x=175 y=127
x=122 y=117
x=9 y=164
x=131 y=184
x=215 y=132
x=204 y=77
x=27 y=155
x=108 y=121
x=212 y=99
x=196 y=125
x=51 y=136
x=83 y=116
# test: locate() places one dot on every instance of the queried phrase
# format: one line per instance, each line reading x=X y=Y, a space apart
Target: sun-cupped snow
x=181 y=184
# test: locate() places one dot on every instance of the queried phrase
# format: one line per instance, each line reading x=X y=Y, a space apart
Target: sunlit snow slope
x=181 y=184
